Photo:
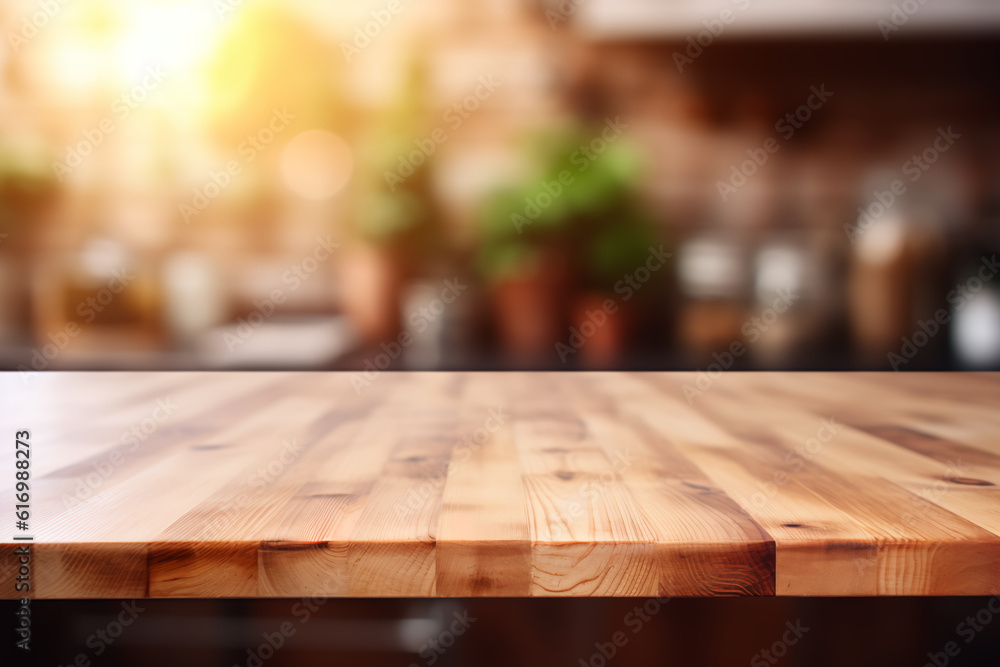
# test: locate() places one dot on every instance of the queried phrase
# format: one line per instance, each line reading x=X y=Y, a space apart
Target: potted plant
x=575 y=223
x=396 y=232
x=27 y=189
x=526 y=270
x=615 y=268
x=395 y=237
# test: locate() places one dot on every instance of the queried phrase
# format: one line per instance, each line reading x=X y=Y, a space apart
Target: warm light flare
x=112 y=43
x=316 y=164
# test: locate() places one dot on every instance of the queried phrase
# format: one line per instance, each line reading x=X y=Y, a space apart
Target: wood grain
x=506 y=484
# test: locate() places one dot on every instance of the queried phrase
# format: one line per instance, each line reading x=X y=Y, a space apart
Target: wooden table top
x=505 y=484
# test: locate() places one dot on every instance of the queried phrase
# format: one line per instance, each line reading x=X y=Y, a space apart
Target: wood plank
x=506 y=484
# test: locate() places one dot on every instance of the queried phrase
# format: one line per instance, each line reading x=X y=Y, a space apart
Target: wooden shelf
x=679 y=19
x=506 y=484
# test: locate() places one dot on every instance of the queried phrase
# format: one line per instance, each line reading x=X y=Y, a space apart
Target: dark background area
x=883 y=632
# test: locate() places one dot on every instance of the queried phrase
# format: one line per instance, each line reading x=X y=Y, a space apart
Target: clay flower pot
x=529 y=313
x=600 y=328
x=372 y=278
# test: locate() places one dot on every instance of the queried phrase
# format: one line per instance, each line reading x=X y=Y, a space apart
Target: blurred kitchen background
x=492 y=184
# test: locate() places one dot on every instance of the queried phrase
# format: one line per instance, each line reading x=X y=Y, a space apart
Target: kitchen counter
x=504 y=484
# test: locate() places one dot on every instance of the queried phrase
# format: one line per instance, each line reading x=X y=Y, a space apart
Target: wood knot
x=969 y=481
x=699 y=487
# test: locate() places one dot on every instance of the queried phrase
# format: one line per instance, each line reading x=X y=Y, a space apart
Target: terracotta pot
x=600 y=329
x=528 y=312
x=372 y=278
